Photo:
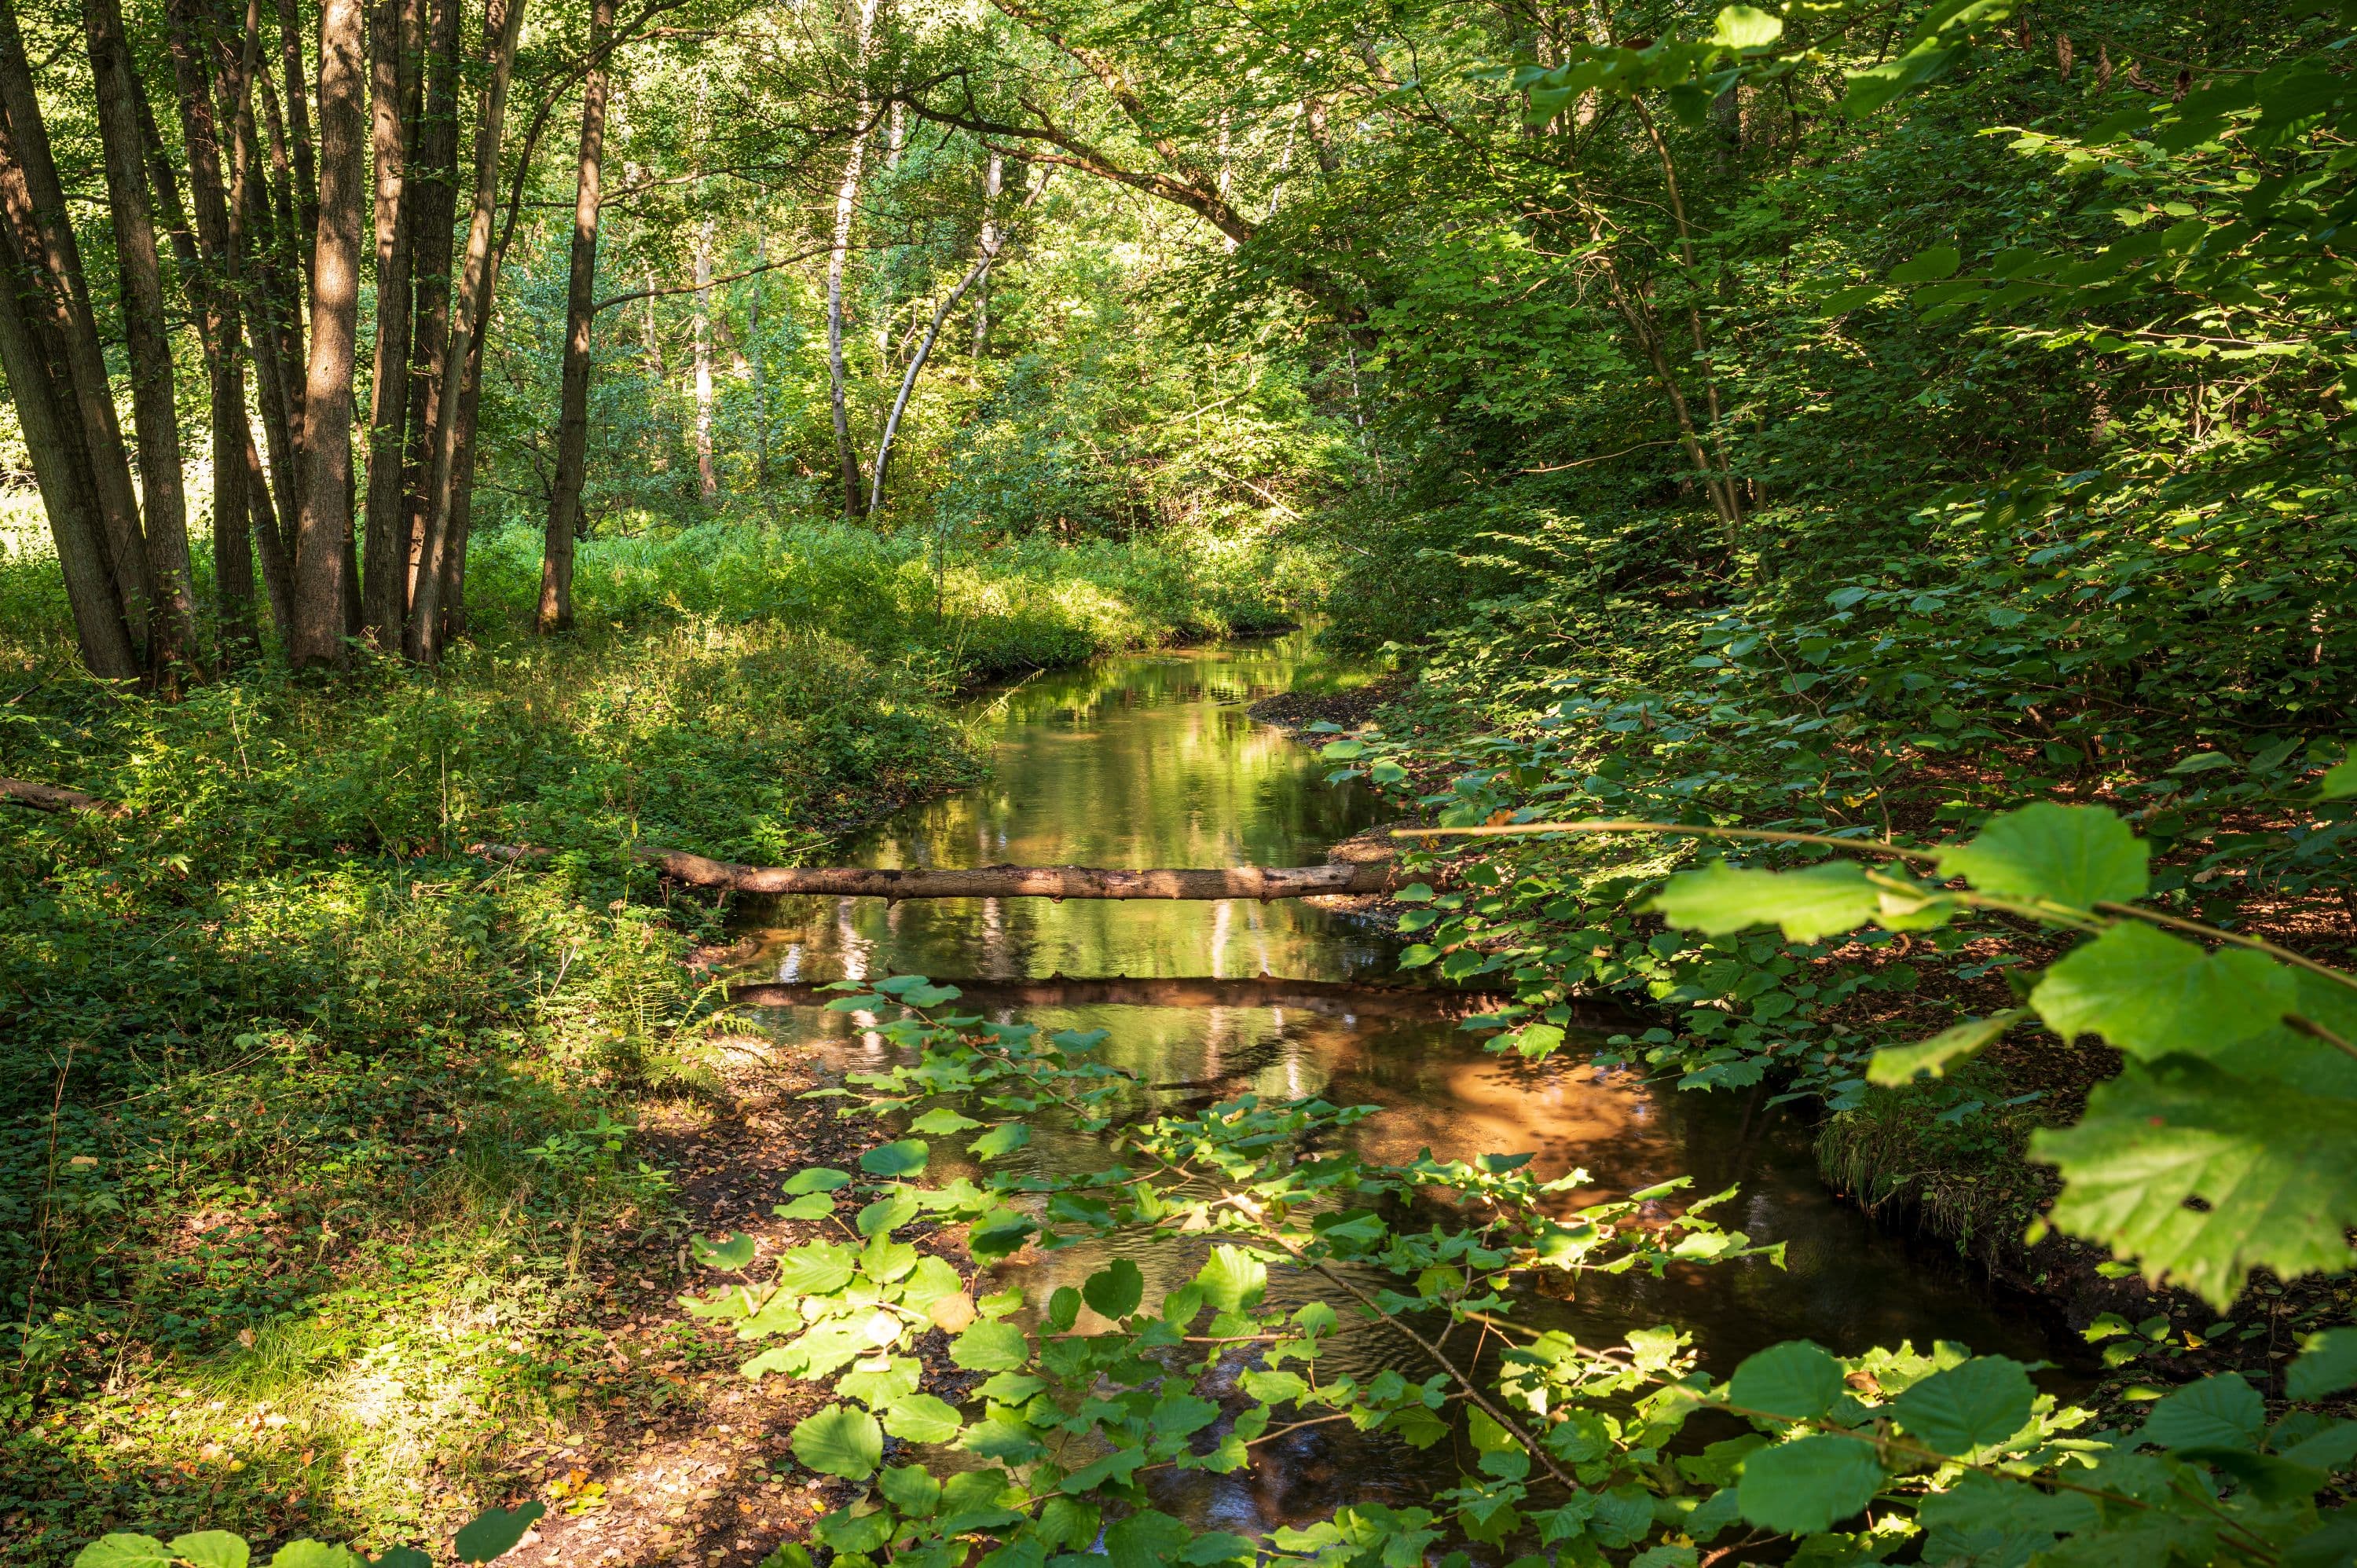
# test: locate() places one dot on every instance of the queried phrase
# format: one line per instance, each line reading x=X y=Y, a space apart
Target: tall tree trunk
x=991 y=184
x=34 y=203
x=305 y=188
x=200 y=132
x=432 y=195
x=707 y=477
x=392 y=43
x=580 y=319
x=424 y=639
x=846 y=199
x=254 y=258
x=324 y=524
x=756 y=362
x=270 y=545
x=44 y=409
x=291 y=255
x=172 y=650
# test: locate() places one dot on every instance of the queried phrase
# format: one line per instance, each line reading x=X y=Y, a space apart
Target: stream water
x=1153 y=761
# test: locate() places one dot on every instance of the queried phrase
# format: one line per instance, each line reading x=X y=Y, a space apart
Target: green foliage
x=488 y=1537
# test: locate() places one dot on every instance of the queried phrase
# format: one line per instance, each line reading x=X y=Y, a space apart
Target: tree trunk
x=424 y=640
x=200 y=130
x=172 y=650
x=392 y=42
x=324 y=523
x=305 y=188
x=34 y=203
x=991 y=185
x=44 y=408
x=708 y=479
x=580 y=306
x=270 y=545
x=432 y=194
x=1376 y=875
x=756 y=362
x=290 y=256
x=846 y=199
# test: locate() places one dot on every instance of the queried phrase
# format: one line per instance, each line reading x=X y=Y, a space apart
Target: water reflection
x=1152 y=761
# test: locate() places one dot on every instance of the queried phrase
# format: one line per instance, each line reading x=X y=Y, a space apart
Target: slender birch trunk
x=580 y=319
x=757 y=363
x=846 y=199
x=991 y=184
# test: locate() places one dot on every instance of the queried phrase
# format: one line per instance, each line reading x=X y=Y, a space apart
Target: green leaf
x=2219 y=1412
x=2326 y=1364
x=2203 y=762
x=1808 y=904
x=320 y=1554
x=124 y=1551
x=495 y=1531
x=1928 y=266
x=1746 y=27
x=940 y=1120
x=215 y=1549
x=2264 y=1475
x=886 y=1215
x=840 y=1441
x=1843 y=301
x=815 y=1268
x=1896 y=1065
x=1802 y=1487
x=2340 y=780
x=1117 y=1466
x=2150 y=993
x=912 y=1492
x=1116 y=1291
x=904 y=1157
x=810 y=1206
x=1968 y=1408
x=2073 y=855
x=401 y=1557
x=2269 y=1159
x=731 y=1255
x=990 y=1348
x=1795 y=1381
x=923 y=1418
x=1003 y=1139
x=1231 y=1278
x=818 y=1179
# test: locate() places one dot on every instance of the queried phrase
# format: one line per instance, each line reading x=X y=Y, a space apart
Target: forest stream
x=1152 y=760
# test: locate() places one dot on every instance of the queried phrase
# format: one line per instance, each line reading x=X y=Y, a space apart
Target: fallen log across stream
x=1322 y=996
x=1263 y=882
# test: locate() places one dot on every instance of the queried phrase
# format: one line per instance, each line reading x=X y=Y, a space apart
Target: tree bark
x=44 y=410
x=289 y=259
x=305 y=189
x=555 y=612
x=1326 y=996
x=846 y=199
x=707 y=477
x=172 y=650
x=324 y=523
x=424 y=639
x=269 y=544
x=756 y=362
x=268 y=284
x=432 y=187
x=225 y=330
x=34 y=203
x=384 y=580
x=1011 y=881
x=992 y=182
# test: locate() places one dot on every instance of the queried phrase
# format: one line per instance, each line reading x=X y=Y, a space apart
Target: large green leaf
x=323 y=1554
x=903 y=1157
x=2326 y=1364
x=2149 y=994
x=2219 y=1412
x=815 y=1268
x=990 y=1348
x=1967 y=1408
x=495 y=1531
x=1803 y=1486
x=2073 y=855
x=1116 y=1291
x=1746 y=27
x=923 y=1418
x=212 y=1549
x=1815 y=901
x=731 y=1255
x=1231 y=1278
x=1795 y=1381
x=840 y=1441
x=2268 y=1160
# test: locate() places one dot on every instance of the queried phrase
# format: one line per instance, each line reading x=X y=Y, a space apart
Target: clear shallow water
x=1152 y=761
